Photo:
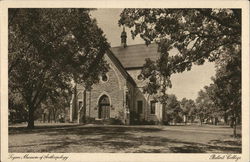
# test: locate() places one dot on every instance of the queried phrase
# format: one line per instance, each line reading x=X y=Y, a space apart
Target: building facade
x=119 y=92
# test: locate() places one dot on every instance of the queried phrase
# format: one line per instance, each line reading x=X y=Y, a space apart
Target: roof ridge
x=133 y=45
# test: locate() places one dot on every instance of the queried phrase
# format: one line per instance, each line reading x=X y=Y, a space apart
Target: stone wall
x=117 y=88
x=114 y=88
x=145 y=98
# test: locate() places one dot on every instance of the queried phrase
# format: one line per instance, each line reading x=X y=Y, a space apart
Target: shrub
x=178 y=119
x=146 y=122
x=113 y=121
x=90 y=120
x=61 y=120
x=134 y=117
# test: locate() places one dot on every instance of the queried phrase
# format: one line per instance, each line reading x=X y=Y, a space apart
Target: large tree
x=55 y=106
x=197 y=34
x=173 y=110
x=203 y=106
x=226 y=92
x=50 y=48
x=223 y=96
x=185 y=37
x=188 y=107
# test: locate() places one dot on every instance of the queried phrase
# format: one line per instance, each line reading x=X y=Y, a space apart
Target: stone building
x=119 y=92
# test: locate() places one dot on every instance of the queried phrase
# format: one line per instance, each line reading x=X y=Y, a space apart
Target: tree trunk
x=235 y=123
x=234 y=127
x=231 y=122
x=54 y=116
x=163 y=114
x=49 y=117
x=31 y=118
x=192 y=120
x=226 y=119
x=185 y=117
x=216 y=121
x=84 y=106
x=44 y=117
x=78 y=116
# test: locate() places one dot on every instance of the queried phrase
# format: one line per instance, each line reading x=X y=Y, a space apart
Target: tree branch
x=222 y=22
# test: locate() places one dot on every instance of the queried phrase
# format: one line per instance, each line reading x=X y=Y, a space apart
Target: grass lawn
x=123 y=139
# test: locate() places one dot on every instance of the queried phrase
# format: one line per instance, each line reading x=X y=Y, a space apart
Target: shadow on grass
x=226 y=142
x=118 y=139
x=80 y=129
x=203 y=148
x=25 y=130
x=237 y=136
x=187 y=149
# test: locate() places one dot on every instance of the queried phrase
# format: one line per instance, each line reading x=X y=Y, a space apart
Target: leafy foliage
x=222 y=98
x=186 y=37
x=173 y=110
x=228 y=82
x=188 y=109
x=227 y=85
x=196 y=34
x=54 y=107
x=48 y=48
x=203 y=106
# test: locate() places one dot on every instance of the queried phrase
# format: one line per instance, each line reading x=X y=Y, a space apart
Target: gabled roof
x=134 y=56
x=120 y=67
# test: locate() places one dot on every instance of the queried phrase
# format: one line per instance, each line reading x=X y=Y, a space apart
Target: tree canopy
x=203 y=106
x=50 y=48
x=226 y=88
x=188 y=109
x=188 y=37
x=173 y=110
x=197 y=34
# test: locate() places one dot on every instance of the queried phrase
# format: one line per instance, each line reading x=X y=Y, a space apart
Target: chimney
x=124 y=38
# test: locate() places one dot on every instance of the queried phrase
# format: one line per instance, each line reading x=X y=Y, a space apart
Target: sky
x=186 y=84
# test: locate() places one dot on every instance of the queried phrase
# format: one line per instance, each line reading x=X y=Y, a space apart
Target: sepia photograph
x=125 y=80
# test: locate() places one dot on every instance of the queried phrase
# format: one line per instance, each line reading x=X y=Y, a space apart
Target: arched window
x=104 y=78
x=104 y=107
x=104 y=100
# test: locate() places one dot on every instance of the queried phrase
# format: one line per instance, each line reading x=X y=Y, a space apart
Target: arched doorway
x=104 y=107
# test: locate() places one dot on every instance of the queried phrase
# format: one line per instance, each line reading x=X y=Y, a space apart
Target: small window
x=139 y=77
x=127 y=100
x=139 y=107
x=152 y=107
x=104 y=78
x=80 y=104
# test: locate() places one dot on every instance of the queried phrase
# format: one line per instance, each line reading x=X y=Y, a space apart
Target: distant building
x=119 y=92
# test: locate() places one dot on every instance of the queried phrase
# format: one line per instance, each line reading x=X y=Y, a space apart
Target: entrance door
x=104 y=108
